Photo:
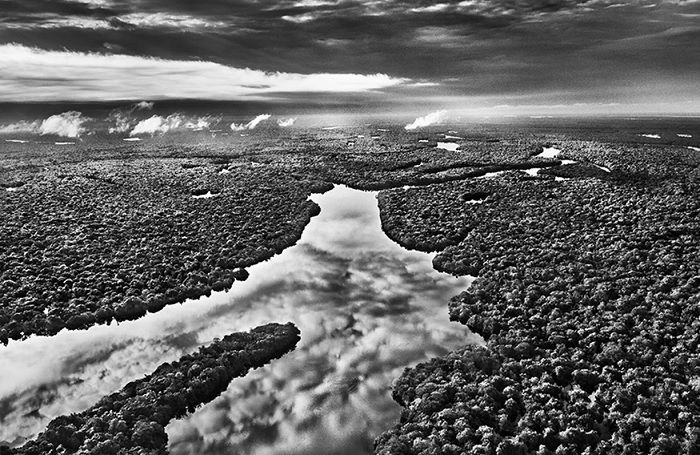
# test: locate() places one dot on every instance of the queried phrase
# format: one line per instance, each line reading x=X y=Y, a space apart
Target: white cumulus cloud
x=201 y=123
x=122 y=122
x=67 y=124
x=83 y=76
x=122 y=117
x=284 y=123
x=252 y=124
x=144 y=105
x=157 y=124
x=20 y=127
x=427 y=120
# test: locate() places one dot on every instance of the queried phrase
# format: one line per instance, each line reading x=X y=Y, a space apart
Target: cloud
x=202 y=123
x=82 y=76
x=20 y=127
x=157 y=124
x=165 y=20
x=252 y=124
x=284 y=123
x=60 y=22
x=144 y=105
x=301 y=18
x=96 y=3
x=256 y=121
x=432 y=8
x=122 y=117
x=122 y=122
x=472 y=48
x=106 y=19
x=67 y=124
x=430 y=119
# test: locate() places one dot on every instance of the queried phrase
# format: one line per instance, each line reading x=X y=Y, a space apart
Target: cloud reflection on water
x=366 y=309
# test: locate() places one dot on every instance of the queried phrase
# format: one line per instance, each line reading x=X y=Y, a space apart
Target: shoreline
x=134 y=418
x=532 y=342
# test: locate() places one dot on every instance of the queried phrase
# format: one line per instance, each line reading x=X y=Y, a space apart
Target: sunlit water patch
x=366 y=307
x=490 y=175
x=207 y=195
x=549 y=152
x=449 y=146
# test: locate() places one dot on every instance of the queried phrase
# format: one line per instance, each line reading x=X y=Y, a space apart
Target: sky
x=502 y=56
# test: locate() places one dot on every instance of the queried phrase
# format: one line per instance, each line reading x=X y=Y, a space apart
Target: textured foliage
x=132 y=420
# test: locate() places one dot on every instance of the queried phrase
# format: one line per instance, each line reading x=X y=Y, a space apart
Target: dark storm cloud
x=48 y=7
x=574 y=49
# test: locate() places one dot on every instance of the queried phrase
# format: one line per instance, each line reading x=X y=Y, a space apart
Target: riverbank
x=133 y=419
x=589 y=300
x=367 y=308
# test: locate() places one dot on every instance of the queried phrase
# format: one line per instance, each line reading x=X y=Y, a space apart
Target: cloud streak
x=427 y=120
x=252 y=124
x=91 y=76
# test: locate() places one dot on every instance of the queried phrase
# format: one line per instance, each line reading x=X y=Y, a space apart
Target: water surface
x=449 y=146
x=366 y=307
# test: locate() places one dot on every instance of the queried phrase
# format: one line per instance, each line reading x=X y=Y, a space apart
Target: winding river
x=367 y=308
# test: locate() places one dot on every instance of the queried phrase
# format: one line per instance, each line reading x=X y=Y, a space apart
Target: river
x=366 y=307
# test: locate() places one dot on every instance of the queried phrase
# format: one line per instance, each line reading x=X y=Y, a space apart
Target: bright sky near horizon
x=536 y=56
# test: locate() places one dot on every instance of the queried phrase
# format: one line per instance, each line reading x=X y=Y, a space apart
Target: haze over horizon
x=476 y=57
